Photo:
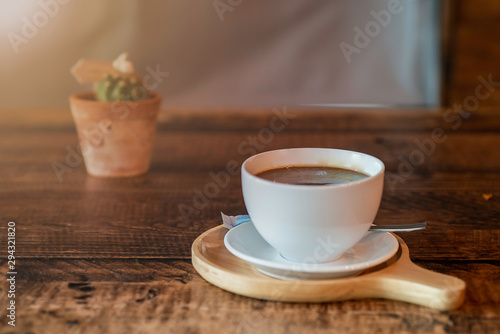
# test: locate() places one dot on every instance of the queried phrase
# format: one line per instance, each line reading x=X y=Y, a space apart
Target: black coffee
x=309 y=175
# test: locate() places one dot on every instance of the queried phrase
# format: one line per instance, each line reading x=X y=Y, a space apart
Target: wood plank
x=151 y=296
x=448 y=9
x=460 y=152
x=88 y=217
x=479 y=11
x=486 y=118
x=115 y=223
x=474 y=49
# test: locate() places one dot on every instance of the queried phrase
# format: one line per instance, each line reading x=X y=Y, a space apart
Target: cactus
x=121 y=84
x=117 y=86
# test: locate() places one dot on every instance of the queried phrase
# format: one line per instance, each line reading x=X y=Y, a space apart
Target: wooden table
x=113 y=255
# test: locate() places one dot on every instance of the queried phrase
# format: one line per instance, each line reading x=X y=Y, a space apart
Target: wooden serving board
x=397 y=279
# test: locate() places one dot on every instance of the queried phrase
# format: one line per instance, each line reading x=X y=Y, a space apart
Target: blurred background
x=241 y=53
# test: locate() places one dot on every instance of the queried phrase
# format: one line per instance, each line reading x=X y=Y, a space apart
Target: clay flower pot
x=116 y=138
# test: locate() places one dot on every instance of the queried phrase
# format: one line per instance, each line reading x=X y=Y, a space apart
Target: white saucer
x=245 y=242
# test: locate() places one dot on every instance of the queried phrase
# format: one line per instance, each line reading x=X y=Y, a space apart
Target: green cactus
x=118 y=87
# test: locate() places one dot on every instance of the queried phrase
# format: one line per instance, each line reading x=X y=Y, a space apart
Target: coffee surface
x=311 y=175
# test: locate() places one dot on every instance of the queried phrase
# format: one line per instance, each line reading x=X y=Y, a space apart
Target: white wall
x=257 y=53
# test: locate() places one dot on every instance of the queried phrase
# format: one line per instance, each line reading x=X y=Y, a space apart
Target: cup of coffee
x=312 y=204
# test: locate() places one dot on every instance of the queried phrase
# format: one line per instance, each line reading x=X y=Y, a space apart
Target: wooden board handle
x=405 y=281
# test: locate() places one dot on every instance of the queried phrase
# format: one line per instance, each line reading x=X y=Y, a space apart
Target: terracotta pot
x=116 y=138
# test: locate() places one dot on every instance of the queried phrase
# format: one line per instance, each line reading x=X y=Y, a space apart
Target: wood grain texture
x=474 y=49
x=141 y=215
x=155 y=296
x=113 y=255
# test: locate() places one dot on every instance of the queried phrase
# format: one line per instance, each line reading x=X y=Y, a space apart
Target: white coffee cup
x=312 y=224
